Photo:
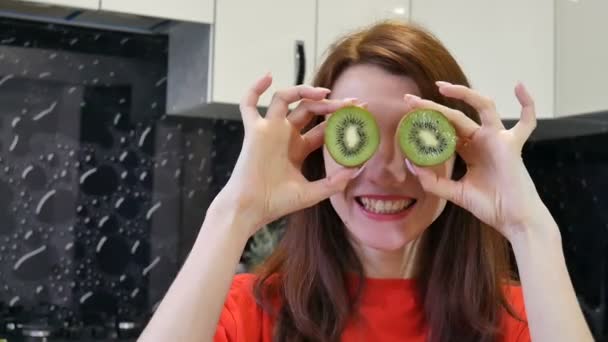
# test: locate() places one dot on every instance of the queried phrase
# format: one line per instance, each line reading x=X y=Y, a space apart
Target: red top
x=382 y=301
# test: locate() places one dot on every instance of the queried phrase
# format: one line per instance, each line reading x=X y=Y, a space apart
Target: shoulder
x=242 y=284
x=241 y=319
x=242 y=287
x=515 y=325
x=240 y=297
x=515 y=297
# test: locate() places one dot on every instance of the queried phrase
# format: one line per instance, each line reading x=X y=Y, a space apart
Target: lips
x=388 y=206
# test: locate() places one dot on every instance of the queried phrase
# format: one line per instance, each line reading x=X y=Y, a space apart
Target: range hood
x=83 y=17
x=190 y=50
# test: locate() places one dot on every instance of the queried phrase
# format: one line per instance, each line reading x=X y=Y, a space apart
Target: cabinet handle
x=300 y=56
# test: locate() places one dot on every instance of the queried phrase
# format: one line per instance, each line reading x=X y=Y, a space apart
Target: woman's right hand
x=267 y=182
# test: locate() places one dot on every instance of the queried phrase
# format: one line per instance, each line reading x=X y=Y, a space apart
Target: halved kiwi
x=426 y=137
x=352 y=136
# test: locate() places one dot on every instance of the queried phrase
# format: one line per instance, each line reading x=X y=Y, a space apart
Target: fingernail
x=410 y=167
x=350 y=99
x=442 y=83
x=324 y=89
x=358 y=172
x=411 y=97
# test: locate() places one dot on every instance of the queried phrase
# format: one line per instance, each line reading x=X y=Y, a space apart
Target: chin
x=380 y=238
x=382 y=230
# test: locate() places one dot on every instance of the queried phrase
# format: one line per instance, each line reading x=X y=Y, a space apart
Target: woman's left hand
x=496 y=188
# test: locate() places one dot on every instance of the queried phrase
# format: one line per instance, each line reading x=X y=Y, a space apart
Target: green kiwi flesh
x=426 y=137
x=352 y=136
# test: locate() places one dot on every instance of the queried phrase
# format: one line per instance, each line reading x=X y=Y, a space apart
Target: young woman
x=387 y=251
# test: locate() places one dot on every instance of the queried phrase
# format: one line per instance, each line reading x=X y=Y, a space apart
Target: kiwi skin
x=369 y=133
x=436 y=126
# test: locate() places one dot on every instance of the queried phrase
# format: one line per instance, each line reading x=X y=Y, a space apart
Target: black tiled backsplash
x=571 y=175
x=102 y=194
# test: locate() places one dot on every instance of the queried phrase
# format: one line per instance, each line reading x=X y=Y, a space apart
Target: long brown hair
x=461 y=265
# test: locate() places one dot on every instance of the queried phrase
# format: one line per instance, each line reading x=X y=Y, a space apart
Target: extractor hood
x=190 y=44
x=82 y=17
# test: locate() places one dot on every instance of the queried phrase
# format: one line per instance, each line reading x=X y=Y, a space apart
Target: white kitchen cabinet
x=198 y=11
x=340 y=17
x=581 y=57
x=251 y=38
x=80 y=4
x=499 y=43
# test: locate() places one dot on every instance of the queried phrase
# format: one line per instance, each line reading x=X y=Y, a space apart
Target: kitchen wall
x=102 y=194
x=570 y=175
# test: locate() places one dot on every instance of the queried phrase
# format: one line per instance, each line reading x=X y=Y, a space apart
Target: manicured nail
x=358 y=172
x=410 y=167
x=411 y=97
x=324 y=89
x=442 y=83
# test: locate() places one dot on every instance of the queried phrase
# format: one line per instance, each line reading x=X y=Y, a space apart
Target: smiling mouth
x=385 y=207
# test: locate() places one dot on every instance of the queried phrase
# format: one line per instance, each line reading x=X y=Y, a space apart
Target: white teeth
x=396 y=205
x=384 y=207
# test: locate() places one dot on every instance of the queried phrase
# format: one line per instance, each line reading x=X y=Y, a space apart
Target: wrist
x=539 y=228
x=229 y=212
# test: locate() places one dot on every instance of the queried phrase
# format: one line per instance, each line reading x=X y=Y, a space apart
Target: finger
x=468 y=154
x=307 y=109
x=313 y=139
x=527 y=121
x=484 y=105
x=445 y=188
x=279 y=105
x=465 y=126
x=249 y=103
x=322 y=189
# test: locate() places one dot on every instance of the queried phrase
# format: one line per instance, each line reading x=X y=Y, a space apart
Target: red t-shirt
x=242 y=320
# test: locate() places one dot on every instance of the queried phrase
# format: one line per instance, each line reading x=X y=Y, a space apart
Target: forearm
x=552 y=308
x=192 y=306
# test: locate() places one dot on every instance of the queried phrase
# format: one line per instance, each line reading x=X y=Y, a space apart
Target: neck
x=388 y=264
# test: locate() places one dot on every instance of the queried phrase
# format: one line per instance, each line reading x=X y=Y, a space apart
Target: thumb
x=445 y=188
x=330 y=185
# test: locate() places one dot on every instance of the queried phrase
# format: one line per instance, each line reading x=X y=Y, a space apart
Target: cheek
x=433 y=207
x=444 y=170
x=340 y=204
x=338 y=201
x=330 y=164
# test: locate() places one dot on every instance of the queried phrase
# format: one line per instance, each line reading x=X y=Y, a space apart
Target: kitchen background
x=118 y=127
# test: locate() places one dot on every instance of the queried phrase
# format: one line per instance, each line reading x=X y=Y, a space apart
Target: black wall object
x=101 y=194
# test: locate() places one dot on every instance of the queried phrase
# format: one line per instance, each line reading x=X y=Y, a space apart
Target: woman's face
x=384 y=207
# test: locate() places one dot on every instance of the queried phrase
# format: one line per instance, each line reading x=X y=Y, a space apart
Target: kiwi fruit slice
x=426 y=137
x=352 y=136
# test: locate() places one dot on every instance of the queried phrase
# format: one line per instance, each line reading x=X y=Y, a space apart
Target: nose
x=387 y=166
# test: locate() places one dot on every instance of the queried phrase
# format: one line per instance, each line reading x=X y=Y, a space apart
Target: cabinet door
x=84 y=4
x=255 y=37
x=339 y=17
x=200 y=11
x=581 y=57
x=498 y=43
